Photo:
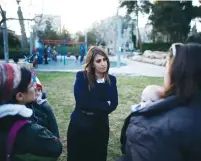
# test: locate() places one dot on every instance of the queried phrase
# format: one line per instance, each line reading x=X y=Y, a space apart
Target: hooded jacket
x=32 y=141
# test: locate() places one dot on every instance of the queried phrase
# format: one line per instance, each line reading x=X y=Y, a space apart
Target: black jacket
x=169 y=130
x=44 y=116
x=31 y=139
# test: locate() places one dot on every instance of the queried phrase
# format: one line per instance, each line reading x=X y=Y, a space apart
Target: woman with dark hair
x=96 y=97
x=169 y=129
x=32 y=140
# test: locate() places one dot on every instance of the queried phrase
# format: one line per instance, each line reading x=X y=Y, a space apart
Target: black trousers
x=45 y=56
x=87 y=143
x=82 y=58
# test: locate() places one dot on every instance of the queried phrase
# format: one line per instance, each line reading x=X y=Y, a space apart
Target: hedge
x=17 y=53
x=13 y=53
x=156 y=46
x=75 y=50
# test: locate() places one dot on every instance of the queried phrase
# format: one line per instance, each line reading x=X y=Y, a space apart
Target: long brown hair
x=89 y=69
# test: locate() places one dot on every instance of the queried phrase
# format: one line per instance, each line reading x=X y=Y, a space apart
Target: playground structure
x=63 y=48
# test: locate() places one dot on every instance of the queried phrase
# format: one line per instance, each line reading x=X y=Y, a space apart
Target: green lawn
x=59 y=88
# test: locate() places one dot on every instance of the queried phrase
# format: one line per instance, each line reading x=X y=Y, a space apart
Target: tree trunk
x=23 y=32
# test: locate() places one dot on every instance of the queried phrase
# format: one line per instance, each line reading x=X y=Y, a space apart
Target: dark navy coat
x=169 y=130
x=92 y=105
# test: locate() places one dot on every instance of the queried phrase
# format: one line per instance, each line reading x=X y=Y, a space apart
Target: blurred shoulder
x=112 y=78
x=80 y=74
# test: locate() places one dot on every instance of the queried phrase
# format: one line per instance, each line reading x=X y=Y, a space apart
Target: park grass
x=59 y=88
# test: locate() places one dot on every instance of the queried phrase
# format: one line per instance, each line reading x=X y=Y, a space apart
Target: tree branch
x=28 y=19
x=2 y=15
x=5 y=19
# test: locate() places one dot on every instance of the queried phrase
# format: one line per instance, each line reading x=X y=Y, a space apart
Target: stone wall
x=152 y=57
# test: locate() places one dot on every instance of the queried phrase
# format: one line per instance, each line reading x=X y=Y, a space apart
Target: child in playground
x=150 y=94
x=43 y=113
x=76 y=56
x=82 y=54
x=35 y=59
x=54 y=55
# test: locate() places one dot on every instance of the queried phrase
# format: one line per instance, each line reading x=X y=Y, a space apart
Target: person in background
x=82 y=54
x=46 y=54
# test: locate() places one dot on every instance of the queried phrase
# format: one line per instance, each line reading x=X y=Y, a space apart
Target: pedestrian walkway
x=127 y=67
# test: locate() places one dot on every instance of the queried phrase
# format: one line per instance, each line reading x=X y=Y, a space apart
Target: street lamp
x=5 y=39
x=118 y=39
x=18 y=1
x=86 y=43
x=133 y=32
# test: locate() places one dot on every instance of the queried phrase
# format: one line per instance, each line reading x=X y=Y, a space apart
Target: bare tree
x=3 y=17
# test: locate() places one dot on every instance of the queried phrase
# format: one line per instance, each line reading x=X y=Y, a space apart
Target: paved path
x=128 y=67
x=138 y=68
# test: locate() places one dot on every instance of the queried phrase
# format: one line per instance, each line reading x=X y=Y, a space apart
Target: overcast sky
x=75 y=14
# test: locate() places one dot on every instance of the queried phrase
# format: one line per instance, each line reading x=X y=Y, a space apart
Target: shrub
x=156 y=46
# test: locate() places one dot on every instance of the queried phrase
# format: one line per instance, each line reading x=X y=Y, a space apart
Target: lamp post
x=5 y=40
x=134 y=31
x=118 y=32
x=132 y=43
x=86 y=43
x=31 y=42
x=18 y=1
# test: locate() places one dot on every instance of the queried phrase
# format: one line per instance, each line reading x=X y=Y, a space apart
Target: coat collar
x=15 y=109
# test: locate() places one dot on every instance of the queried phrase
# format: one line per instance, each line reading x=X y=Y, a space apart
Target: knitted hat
x=36 y=81
x=10 y=77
